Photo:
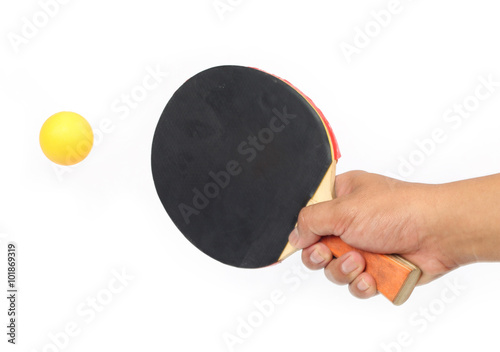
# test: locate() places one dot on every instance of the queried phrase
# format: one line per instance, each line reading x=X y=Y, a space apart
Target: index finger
x=314 y=221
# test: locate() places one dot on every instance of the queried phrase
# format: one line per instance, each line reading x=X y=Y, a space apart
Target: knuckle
x=303 y=218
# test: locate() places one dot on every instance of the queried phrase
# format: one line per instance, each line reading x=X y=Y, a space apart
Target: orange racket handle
x=395 y=277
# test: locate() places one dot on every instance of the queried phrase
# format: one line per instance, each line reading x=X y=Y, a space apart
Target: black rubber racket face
x=236 y=154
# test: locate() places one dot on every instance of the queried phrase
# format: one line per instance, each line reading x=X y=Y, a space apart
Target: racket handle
x=395 y=277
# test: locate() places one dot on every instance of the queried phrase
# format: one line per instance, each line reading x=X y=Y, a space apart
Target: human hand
x=420 y=222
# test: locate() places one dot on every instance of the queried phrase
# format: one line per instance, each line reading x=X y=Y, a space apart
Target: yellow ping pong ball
x=66 y=138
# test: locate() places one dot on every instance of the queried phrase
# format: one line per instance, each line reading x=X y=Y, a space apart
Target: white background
x=75 y=226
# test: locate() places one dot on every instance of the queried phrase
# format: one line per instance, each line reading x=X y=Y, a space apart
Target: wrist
x=461 y=220
x=435 y=227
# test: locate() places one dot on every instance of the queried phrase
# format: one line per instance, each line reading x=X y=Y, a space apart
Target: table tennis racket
x=236 y=155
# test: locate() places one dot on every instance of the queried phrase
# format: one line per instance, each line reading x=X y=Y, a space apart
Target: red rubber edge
x=336 y=149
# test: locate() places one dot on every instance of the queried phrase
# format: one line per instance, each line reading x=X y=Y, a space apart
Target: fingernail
x=294 y=237
x=316 y=257
x=362 y=285
x=349 y=265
